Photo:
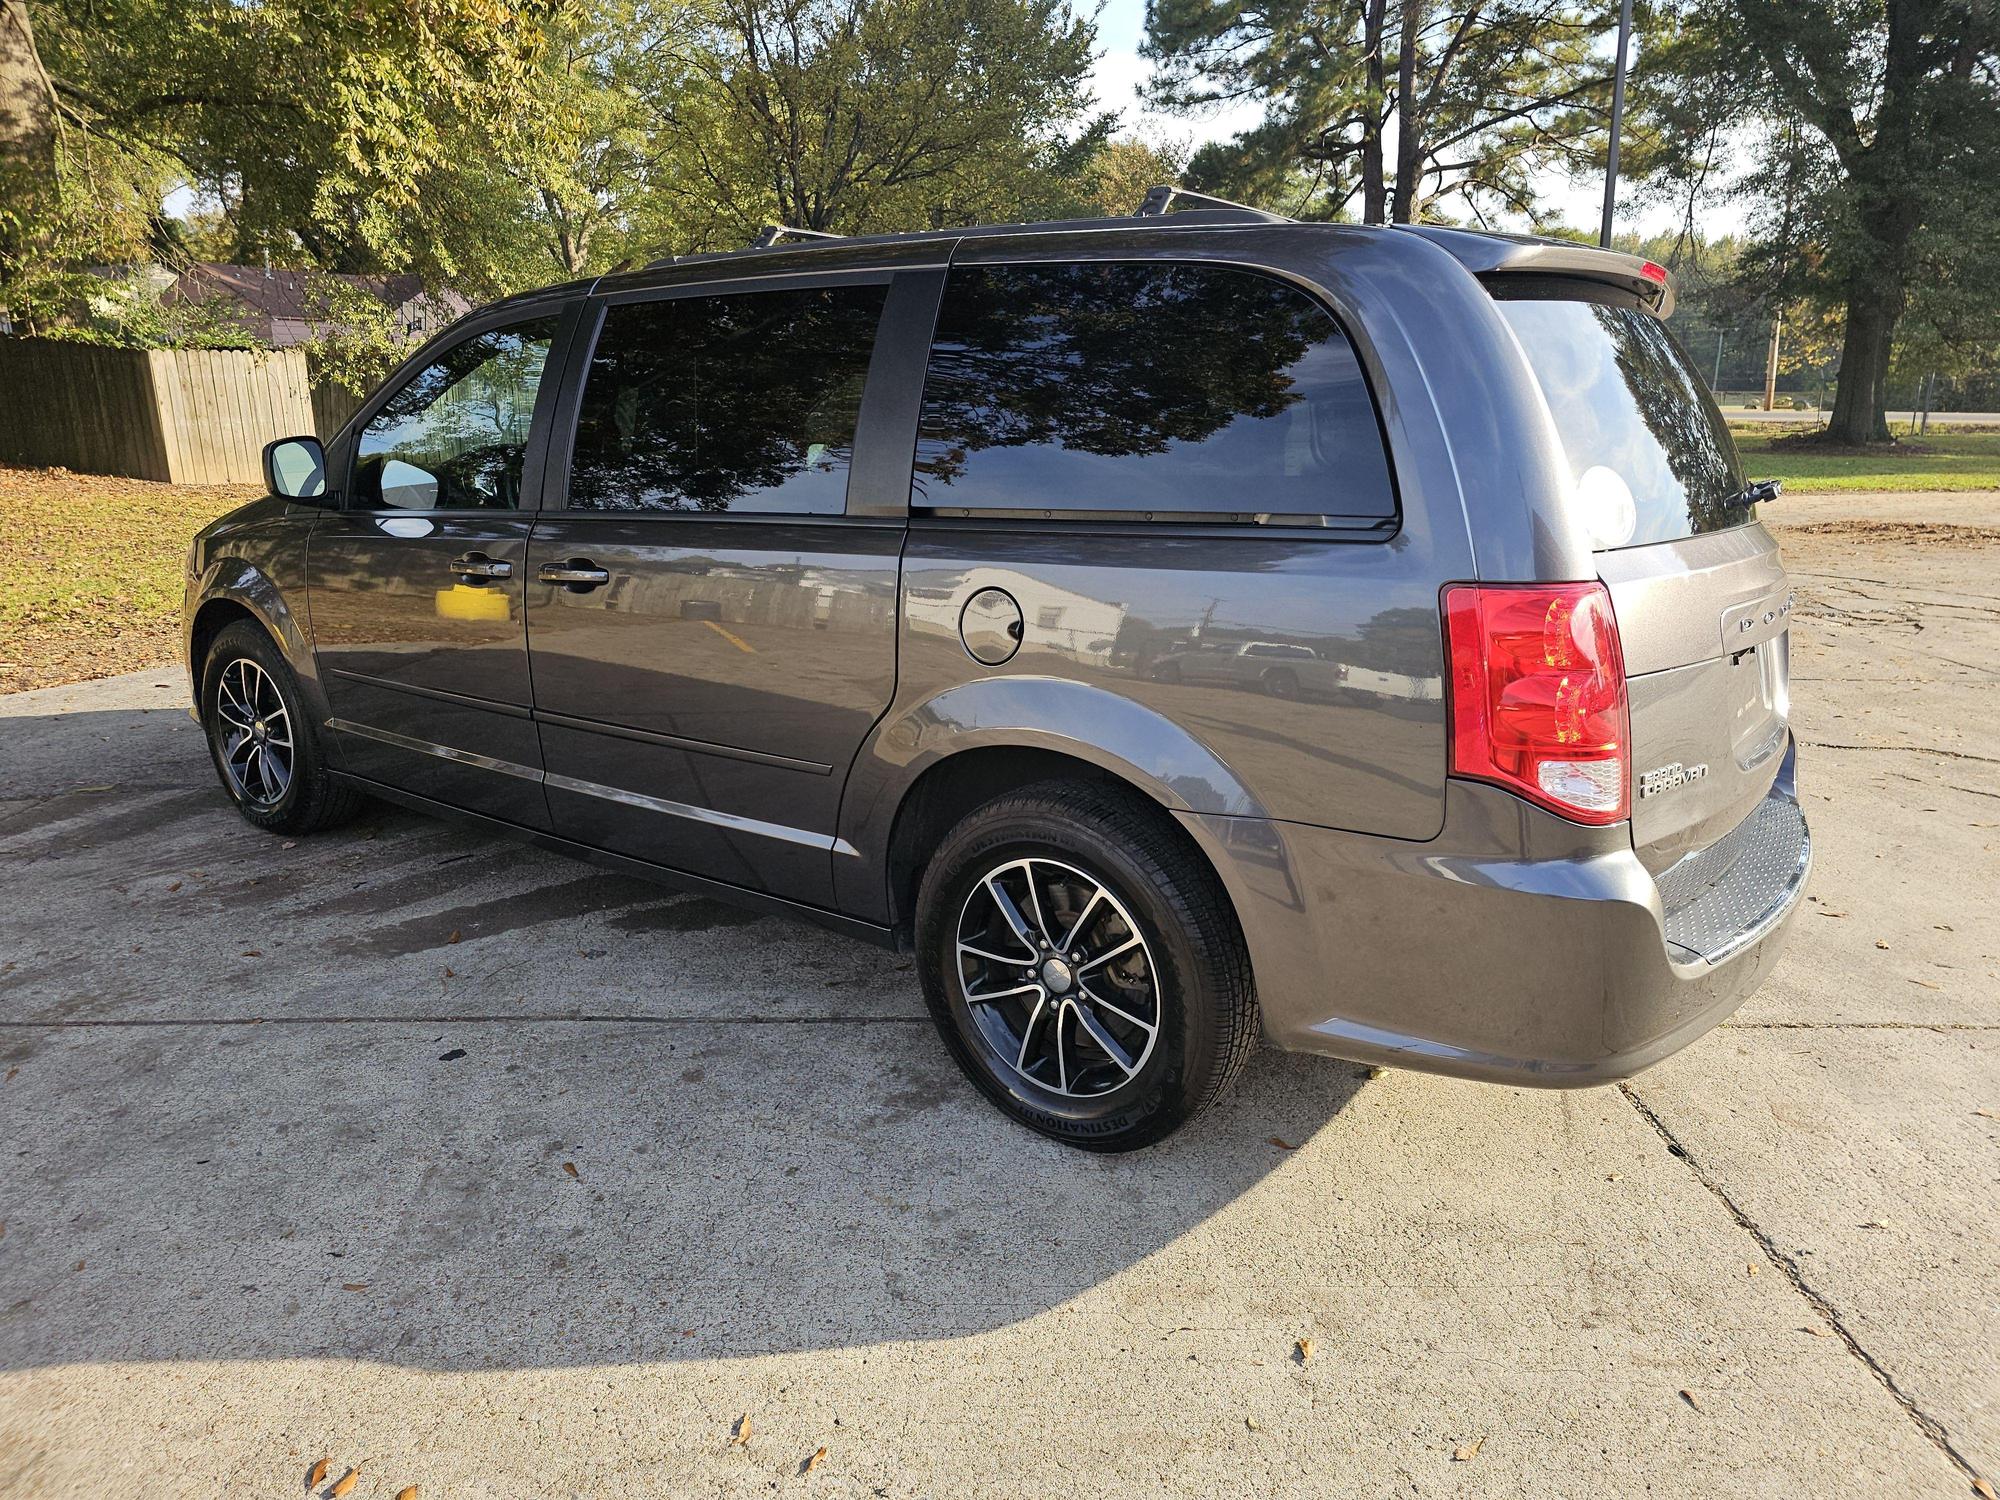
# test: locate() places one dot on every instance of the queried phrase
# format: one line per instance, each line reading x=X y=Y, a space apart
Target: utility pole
x=1715 y=380
x=1617 y=121
x=1771 y=365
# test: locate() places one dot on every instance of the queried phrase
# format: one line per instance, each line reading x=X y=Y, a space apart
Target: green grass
x=91 y=571
x=1944 y=460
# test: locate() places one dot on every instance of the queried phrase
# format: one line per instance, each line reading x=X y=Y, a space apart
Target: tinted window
x=742 y=402
x=1647 y=448
x=1145 y=387
x=455 y=434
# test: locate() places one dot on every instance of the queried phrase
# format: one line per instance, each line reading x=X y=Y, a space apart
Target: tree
x=351 y=133
x=863 y=114
x=1405 y=107
x=1878 y=130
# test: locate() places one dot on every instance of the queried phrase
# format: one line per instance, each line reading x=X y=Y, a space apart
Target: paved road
x=1898 y=417
x=288 y=1133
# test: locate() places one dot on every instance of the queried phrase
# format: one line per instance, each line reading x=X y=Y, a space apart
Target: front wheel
x=1083 y=965
x=265 y=747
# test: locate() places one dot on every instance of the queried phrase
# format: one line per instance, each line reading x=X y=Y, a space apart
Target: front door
x=416 y=582
x=712 y=615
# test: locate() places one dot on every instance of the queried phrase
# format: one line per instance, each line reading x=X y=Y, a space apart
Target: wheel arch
x=924 y=769
x=235 y=589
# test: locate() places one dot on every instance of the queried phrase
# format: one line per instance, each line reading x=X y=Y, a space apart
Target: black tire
x=1203 y=1003
x=240 y=662
x=1282 y=682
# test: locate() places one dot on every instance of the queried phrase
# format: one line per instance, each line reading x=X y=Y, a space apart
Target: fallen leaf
x=78 y=1266
x=1878 y=1224
x=253 y=952
x=812 y=1463
x=1825 y=913
x=570 y=1167
x=1614 y=1176
x=1927 y=984
x=346 y=1483
x=1880 y=944
x=1281 y=1143
x=1984 y=1114
x=452 y=1056
x=1251 y=1423
x=740 y=1438
x=289 y=844
x=1982 y=1488
x=1818 y=1333
x=1749 y=1270
x=1305 y=1351
x=1942 y=926
x=354 y=1286
x=454 y=936
x=11 y=1072
x=1691 y=1399
x=1376 y=1072
x=315 y=1474
x=451 y=973
x=410 y=1492
x=174 y=887
x=1465 y=1453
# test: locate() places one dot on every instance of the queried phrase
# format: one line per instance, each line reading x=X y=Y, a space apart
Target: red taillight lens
x=1653 y=271
x=1537 y=700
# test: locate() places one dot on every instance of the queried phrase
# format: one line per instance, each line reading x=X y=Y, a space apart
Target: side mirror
x=295 y=469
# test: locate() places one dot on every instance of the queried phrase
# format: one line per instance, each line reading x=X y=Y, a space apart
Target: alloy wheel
x=1058 y=978
x=253 y=734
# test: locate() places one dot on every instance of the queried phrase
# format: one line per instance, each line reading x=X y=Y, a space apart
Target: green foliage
x=1874 y=129
x=1388 y=112
x=356 y=340
x=356 y=135
x=131 y=314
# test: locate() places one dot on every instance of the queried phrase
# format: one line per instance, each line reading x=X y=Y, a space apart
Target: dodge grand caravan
x=1176 y=630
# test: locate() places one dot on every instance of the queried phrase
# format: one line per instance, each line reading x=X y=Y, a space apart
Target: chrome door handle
x=579 y=574
x=479 y=565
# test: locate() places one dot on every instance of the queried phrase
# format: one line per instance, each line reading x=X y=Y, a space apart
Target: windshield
x=1647 y=448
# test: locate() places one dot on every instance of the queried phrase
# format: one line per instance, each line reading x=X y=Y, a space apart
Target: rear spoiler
x=1485 y=254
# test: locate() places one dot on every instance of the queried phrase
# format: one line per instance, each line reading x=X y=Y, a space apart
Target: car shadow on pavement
x=405 y=1093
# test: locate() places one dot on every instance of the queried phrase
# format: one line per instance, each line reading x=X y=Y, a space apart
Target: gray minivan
x=1176 y=630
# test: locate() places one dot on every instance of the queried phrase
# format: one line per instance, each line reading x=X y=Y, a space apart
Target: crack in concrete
x=1861 y=1025
x=1991 y=760
x=526 y=1018
x=1927 y=1424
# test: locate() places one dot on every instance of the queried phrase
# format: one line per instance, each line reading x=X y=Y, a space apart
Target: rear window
x=1174 y=391
x=1647 y=448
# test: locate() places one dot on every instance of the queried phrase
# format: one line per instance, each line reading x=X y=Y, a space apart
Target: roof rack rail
x=1159 y=200
x=772 y=233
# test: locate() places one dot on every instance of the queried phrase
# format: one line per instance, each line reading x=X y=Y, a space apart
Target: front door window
x=455 y=436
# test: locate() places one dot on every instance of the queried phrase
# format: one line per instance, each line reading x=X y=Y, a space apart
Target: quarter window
x=741 y=402
x=455 y=435
x=1167 y=389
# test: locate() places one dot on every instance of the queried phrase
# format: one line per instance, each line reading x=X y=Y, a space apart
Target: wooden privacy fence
x=186 y=416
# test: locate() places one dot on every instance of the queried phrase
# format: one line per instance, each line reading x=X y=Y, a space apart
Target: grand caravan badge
x=1668 y=777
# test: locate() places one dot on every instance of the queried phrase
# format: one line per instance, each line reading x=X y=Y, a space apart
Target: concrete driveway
x=502 y=1176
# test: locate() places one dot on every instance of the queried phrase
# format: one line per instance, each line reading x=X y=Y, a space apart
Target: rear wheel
x=1083 y=966
x=265 y=747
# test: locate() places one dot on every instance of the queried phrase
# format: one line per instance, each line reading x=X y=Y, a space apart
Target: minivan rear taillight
x=1537 y=701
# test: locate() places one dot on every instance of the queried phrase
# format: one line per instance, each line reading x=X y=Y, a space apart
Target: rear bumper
x=1515 y=947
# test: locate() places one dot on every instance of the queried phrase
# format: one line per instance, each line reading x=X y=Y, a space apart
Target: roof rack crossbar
x=772 y=233
x=1159 y=200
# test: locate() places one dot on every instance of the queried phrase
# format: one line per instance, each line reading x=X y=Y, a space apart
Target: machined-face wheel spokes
x=1058 y=977
x=253 y=733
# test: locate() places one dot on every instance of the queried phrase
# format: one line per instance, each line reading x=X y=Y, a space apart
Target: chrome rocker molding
x=730 y=821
